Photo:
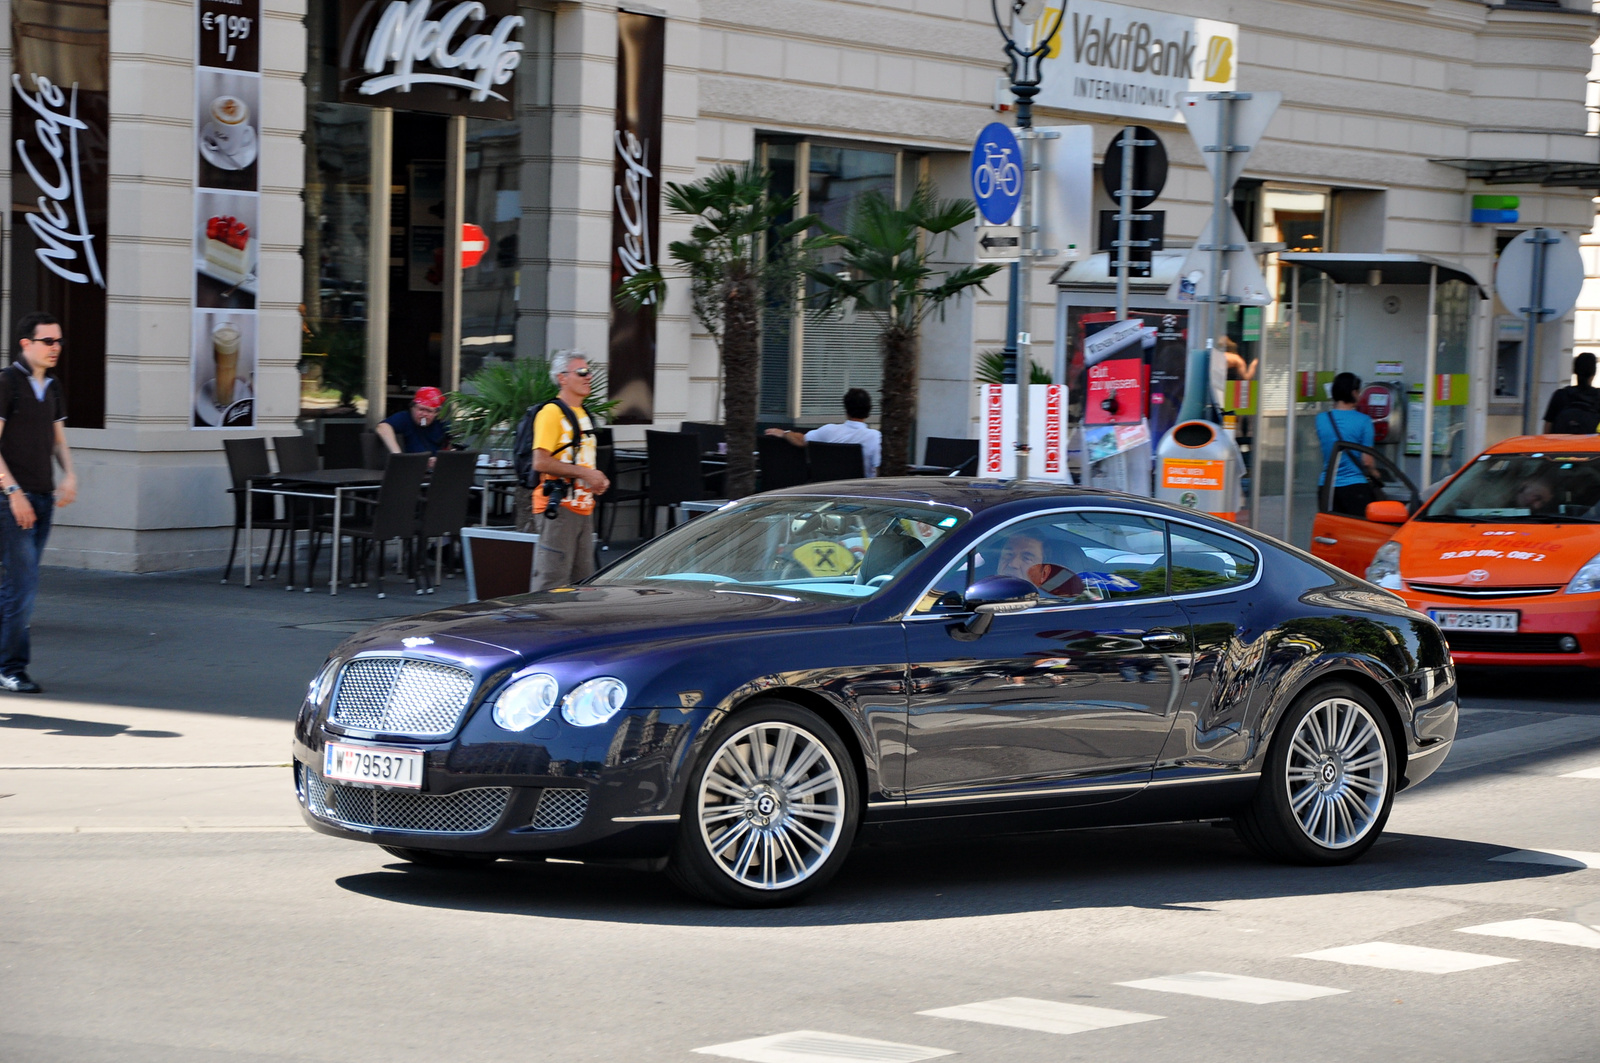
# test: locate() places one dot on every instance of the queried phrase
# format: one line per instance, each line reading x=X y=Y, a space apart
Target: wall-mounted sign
x=59 y=158
x=449 y=57
x=636 y=209
x=1130 y=62
x=226 y=238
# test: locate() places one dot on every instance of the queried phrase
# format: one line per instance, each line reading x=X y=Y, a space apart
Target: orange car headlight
x=1587 y=579
x=1385 y=567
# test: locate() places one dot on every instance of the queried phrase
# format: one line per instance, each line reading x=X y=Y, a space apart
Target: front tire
x=771 y=809
x=1328 y=783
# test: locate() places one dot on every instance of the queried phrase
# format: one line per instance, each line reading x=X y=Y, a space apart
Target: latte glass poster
x=227 y=213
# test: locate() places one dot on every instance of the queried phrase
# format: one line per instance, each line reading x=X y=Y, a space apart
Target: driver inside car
x=1024 y=556
x=1534 y=495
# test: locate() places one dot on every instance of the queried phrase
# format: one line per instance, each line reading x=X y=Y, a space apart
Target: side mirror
x=1387 y=512
x=990 y=597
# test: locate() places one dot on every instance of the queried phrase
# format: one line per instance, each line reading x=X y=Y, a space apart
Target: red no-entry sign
x=474 y=245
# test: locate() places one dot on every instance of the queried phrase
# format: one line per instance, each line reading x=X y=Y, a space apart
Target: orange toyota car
x=1505 y=557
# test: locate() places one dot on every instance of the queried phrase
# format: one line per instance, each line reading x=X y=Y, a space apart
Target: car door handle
x=1325 y=540
x=1161 y=639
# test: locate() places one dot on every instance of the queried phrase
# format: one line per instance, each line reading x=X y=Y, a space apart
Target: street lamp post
x=1023 y=71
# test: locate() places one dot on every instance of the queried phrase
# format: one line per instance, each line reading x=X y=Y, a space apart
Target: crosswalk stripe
x=1550 y=931
x=1394 y=957
x=1046 y=1016
x=813 y=1046
x=1238 y=987
x=1552 y=857
x=1586 y=773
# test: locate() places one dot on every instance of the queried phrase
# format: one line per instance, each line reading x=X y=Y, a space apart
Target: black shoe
x=20 y=684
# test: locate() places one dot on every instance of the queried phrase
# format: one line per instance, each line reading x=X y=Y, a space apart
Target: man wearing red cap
x=418 y=430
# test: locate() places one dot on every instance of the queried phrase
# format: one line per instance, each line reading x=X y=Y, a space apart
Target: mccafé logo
x=1138 y=50
x=405 y=36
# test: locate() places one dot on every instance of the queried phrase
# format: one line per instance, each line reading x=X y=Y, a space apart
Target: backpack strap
x=577 y=430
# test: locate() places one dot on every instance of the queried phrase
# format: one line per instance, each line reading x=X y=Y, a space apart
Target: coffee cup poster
x=227 y=212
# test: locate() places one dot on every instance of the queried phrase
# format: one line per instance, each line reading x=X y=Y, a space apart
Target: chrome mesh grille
x=401 y=696
x=463 y=812
x=560 y=809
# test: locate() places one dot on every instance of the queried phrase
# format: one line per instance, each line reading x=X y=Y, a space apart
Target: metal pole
x=1430 y=364
x=1023 y=272
x=1535 y=312
x=1220 y=230
x=1294 y=399
x=1124 y=221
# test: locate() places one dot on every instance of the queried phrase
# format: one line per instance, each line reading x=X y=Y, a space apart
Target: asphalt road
x=152 y=910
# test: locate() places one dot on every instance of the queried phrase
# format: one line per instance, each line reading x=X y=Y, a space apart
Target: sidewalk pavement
x=168 y=699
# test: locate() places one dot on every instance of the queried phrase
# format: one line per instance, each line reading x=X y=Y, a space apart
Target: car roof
x=1525 y=444
x=971 y=493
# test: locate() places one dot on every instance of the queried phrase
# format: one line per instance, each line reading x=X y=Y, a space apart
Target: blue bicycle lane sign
x=997 y=173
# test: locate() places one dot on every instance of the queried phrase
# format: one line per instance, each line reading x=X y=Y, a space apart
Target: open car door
x=1350 y=541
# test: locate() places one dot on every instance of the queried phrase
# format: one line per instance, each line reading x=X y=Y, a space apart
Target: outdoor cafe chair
x=782 y=463
x=675 y=474
x=373 y=452
x=391 y=515
x=444 y=509
x=295 y=454
x=711 y=435
x=247 y=460
x=835 y=461
x=341 y=446
x=945 y=452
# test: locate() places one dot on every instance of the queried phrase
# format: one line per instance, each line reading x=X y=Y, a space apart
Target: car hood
x=1495 y=555
x=539 y=625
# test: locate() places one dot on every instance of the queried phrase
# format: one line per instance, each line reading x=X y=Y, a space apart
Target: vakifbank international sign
x=1130 y=62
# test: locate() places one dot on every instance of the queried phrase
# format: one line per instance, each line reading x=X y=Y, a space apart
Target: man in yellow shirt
x=565 y=462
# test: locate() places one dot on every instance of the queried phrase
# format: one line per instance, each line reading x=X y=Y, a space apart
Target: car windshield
x=811 y=547
x=1546 y=487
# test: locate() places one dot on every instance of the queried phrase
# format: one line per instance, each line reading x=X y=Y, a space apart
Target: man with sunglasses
x=33 y=417
x=564 y=454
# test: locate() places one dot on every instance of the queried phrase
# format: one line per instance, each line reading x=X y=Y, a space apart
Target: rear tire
x=771 y=809
x=1328 y=783
x=436 y=859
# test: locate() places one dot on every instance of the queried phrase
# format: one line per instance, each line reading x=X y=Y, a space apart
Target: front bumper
x=1544 y=621
x=606 y=791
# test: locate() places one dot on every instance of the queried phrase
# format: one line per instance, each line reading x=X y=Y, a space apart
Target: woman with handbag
x=1353 y=482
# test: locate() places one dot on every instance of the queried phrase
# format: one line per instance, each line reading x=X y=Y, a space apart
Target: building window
x=807 y=362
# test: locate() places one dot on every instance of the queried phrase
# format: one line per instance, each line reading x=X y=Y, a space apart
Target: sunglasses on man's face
x=584 y=372
x=48 y=341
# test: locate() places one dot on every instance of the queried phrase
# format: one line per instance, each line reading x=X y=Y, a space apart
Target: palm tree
x=884 y=272
x=744 y=257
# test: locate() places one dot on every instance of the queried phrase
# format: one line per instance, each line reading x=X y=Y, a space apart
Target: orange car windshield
x=1543 y=487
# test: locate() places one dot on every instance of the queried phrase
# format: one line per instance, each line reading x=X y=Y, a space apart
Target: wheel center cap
x=762 y=806
x=1329 y=774
x=766 y=805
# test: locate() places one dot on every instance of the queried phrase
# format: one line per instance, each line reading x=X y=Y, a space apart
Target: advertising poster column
x=636 y=209
x=227 y=218
x=59 y=162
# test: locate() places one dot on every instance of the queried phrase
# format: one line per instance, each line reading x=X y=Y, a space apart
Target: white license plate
x=374 y=765
x=1452 y=620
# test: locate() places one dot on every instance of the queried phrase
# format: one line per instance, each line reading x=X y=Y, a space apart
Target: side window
x=1122 y=555
x=1202 y=561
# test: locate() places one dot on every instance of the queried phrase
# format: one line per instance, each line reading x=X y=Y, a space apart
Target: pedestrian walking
x=564 y=458
x=1352 y=483
x=1575 y=410
x=33 y=416
x=853 y=429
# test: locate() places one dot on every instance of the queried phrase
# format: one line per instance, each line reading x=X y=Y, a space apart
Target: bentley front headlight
x=594 y=702
x=1587 y=579
x=322 y=685
x=1385 y=567
x=525 y=701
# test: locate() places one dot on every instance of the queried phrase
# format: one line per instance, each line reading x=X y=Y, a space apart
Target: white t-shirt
x=871 y=440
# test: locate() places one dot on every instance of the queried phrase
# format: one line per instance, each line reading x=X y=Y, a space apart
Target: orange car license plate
x=1475 y=620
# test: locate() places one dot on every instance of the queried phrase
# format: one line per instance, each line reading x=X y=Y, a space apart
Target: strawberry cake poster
x=227 y=214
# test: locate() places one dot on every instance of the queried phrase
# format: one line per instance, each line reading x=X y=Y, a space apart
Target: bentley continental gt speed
x=739 y=700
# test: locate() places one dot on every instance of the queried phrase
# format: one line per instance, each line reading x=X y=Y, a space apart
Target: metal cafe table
x=321 y=485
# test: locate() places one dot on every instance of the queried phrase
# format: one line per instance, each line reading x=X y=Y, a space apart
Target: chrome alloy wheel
x=1337 y=773
x=771 y=806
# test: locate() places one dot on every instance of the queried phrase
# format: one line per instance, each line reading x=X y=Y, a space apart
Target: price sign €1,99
x=229 y=34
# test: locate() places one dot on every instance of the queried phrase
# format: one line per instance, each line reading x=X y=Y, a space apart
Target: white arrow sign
x=1245 y=283
x=1250 y=120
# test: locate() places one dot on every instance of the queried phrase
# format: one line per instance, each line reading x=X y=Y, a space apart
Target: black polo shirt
x=29 y=439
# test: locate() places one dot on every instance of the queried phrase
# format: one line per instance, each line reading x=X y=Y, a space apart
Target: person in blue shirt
x=1351 y=488
x=418 y=430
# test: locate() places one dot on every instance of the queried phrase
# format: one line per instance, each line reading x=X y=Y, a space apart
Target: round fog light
x=1568 y=644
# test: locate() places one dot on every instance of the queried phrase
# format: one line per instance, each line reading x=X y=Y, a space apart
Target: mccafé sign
x=448 y=56
x=1131 y=62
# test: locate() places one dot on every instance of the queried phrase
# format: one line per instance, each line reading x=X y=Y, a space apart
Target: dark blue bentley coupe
x=740 y=700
